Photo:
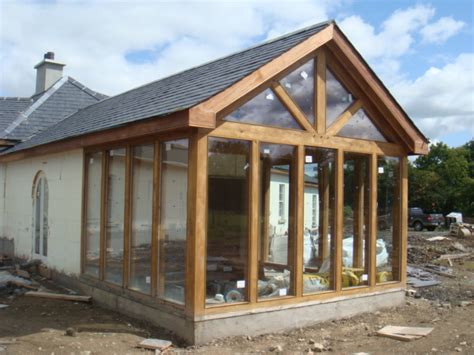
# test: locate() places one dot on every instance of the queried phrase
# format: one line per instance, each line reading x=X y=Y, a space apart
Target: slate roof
x=10 y=107
x=44 y=110
x=174 y=93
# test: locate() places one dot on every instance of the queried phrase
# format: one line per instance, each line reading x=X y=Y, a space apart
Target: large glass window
x=141 y=218
x=276 y=237
x=264 y=109
x=93 y=213
x=227 y=225
x=338 y=98
x=388 y=210
x=300 y=85
x=114 y=231
x=360 y=126
x=355 y=244
x=319 y=233
x=173 y=231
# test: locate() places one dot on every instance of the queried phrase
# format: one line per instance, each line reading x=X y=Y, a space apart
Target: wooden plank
x=57 y=296
x=299 y=219
x=285 y=136
x=320 y=92
x=225 y=101
x=254 y=201
x=197 y=225
x=126 y=214
x=145 y=128
x=404 y=333
x=339 y=211
x=344 y=118
x=155 y=218
x=291 y=106
x=103 y=212
x=404 y=219
x=358 y=224
x=373 y=225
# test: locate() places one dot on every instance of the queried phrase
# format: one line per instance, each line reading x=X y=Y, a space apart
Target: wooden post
x=197 y=212
x=103 y=212
x=404 y=218
x=298 y=184
x=127 y=215
x=320 y=92
x=373 y=221
x=155 y=227
x=396 y=227
x=85 y=183
x=358 y=224
x=254 y=224
x=339 y=211
x=264 y=239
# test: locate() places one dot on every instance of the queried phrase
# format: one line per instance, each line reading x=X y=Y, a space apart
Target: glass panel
x=141 y=218
x=115 y=216
x=172 y=246
x=388 y=210
x=300 y=85
x=38 y=216
x=45 y=216
x=264 y=109
x=319 y=236
x=360 y=126
x=338 y=99
x=93 y=196
x=355 y=254
x=227 y=226
x=276 y=238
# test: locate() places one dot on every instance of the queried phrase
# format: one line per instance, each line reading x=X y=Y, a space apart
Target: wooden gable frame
x=332 y=50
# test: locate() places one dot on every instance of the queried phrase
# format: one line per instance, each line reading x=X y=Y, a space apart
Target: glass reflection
x=360 y=126
x=338 y=99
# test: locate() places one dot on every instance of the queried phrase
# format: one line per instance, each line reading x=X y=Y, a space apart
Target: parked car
x=420 y=220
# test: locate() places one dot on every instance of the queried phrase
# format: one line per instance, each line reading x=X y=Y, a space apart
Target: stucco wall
x=64 y=175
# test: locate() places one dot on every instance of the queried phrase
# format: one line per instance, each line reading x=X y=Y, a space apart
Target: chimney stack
x=48 y=71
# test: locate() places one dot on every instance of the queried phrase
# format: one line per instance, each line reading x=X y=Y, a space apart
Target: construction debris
x=404 y=333
x=461 y=230
x=155 y=344
x=58 y=296
x=438 y=238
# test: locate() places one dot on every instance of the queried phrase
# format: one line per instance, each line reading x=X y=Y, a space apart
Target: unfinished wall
x=64 y=175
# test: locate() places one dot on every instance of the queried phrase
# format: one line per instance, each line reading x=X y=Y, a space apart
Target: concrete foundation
x=254 y=322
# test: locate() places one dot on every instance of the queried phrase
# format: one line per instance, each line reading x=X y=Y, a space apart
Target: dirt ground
x=36 y=326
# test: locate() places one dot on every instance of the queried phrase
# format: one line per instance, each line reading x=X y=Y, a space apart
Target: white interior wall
x=64 y=175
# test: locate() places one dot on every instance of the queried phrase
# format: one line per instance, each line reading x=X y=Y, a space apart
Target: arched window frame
x=40 y=228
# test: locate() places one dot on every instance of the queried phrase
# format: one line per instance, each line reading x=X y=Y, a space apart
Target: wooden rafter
x=320 y=92
x=344 y=118
x=291 y=106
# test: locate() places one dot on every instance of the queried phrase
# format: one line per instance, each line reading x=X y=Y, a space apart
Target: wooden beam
x=358 y=224
x=374 y=87
x=234 y=96
x=373 y=225
x=254 y=202
x=324 y=199
x=155 y=213
x=284 y=136
x=299 y=219
x=291 y=106
x=85 y=169
x=127 y=215
x=396 y=225
x=197 y=225
x=404 y=219
x=119 y=135
x=103 y=213
x=320 y=92
x=344 y=118
x=339 y=212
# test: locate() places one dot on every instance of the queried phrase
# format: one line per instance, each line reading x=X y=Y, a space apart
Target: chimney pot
x=49 y=55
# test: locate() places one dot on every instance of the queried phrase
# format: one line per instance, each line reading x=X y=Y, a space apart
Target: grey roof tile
x=174 y=93
x=10 y=107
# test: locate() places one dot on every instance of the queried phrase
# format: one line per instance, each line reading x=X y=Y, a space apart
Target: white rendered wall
x=2 y=198
x=64 y=175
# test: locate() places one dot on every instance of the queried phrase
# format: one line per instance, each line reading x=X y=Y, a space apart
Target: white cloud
x=441 y=101
x=441 y=30
x=93 y=37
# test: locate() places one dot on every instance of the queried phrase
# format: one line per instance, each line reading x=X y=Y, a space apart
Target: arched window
x=40 y=214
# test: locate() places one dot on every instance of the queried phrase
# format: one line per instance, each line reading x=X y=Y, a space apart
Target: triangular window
x=338 y=98
x=264 y=109
x=360 y=126
x=299 y=84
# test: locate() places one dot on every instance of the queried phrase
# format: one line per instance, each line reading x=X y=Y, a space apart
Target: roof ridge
x=16 y=98
x=81 y=86
x=320 y=24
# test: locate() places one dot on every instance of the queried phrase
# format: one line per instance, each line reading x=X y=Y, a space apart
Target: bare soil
x=36 y=326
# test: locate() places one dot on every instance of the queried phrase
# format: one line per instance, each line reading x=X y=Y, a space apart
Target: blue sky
x=422 y=50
